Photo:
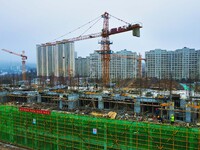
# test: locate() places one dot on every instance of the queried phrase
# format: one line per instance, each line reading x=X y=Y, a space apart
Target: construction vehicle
x=105 y=42
x=24 y=58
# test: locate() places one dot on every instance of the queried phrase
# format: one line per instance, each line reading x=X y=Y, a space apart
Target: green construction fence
x=63 y=131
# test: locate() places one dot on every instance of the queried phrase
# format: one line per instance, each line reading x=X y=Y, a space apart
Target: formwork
x=62 y=131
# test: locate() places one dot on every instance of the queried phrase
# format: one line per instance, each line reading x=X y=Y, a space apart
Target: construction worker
x=172 y=119
x=160 y=119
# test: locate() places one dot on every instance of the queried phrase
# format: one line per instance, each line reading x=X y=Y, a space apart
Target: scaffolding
x=63 y=131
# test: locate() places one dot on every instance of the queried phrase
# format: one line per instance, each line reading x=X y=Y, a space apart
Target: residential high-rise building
x=95 y=66
x=157 y=63
x=178 y=64
x=55 y=60
x=50 y=61
x=75 y=55
x=123 y=65
x=64 y=60
x=82 y=67
x=198 y=65
x=42 y=54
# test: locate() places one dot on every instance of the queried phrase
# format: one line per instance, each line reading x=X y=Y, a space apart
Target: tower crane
x=24 y=58
x=105 y=42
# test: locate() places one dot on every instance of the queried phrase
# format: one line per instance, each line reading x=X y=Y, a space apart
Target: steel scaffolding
x=61 y=130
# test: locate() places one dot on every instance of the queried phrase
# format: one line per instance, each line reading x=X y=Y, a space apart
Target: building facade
x=95 y=66
x=178 y=64
x=82 y=67
x=123 y=65
x=55 y=60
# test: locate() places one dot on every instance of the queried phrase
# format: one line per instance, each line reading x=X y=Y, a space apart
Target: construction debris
x=112 y=114
x=96 y=114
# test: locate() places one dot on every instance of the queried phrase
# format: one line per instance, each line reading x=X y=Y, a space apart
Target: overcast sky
x=167 y=24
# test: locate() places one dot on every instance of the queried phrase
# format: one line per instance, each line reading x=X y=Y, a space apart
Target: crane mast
x=24 y=66
x=24 y=58
x=105 y=49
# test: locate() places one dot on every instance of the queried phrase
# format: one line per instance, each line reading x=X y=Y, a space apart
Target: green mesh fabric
x=61 y=131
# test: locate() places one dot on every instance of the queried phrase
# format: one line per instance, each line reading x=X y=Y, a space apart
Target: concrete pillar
x=73 y=101
x=39 y=98
x=60 y=101
x=100 y=102
x=60 y=104
x=188 y=115
x=137 y=107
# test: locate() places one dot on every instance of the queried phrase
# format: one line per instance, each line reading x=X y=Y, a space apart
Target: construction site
x=135 y=114
x=123 y=119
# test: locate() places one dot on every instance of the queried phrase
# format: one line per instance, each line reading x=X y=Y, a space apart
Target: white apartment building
x=95 y=66
x=178 y=64
x=198 y=64
x=82 y=67
x=55 y=60
x=123 y=65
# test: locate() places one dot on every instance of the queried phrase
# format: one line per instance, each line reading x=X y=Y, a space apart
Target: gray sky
x=167 y=24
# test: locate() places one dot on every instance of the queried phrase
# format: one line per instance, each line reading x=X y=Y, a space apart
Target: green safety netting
x=62 y=131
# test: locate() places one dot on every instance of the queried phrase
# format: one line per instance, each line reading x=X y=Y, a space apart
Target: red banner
x=37 y=111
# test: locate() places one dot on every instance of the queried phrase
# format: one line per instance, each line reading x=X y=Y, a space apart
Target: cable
x=125 y=21
x=76 y=28
x=90 y=27
x=119 y=19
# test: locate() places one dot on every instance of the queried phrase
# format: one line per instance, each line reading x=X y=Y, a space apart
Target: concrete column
x=100 y=102
x=39 y=98
x=188 y=115
x=60 y=102
x=137 y=107
x=73 y=101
